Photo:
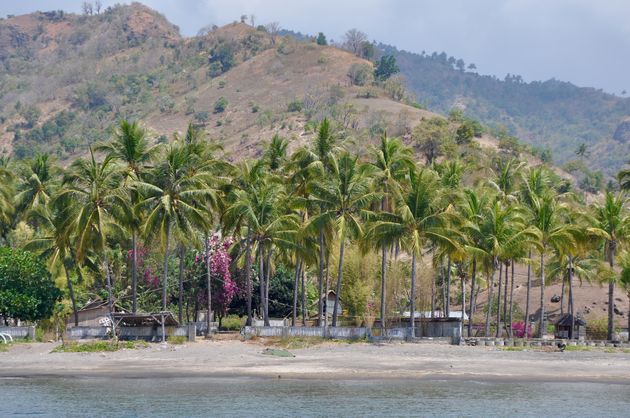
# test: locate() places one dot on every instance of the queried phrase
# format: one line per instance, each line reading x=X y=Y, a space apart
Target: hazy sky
x=586 y=42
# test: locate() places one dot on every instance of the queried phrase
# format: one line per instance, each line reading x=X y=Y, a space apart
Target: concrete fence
x=132 y=333
x=339 y=333
x=19 y=332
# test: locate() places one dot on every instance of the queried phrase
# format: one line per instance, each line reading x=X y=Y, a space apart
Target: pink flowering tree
x=224 y=287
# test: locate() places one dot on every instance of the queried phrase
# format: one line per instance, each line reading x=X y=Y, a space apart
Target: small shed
x=563 y=327
x=329 y=305
x=95 y=313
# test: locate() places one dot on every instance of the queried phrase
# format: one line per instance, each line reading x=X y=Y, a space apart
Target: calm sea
x=203 y=397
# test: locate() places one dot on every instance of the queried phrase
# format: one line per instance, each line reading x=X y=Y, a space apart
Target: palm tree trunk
x=383 y=279
x=248 y=276
x=327 y=286
x=321 y=296
x=134 y=272
x=447 y=300
x=472 y=297
x=209 y=286
x=71 y=294
x=489 y=303
x=412 y=298
x=261 y=276
x=505 y=298
x=611 y=294
x=110 y=302
x=165 y=278
x=461 y=326
x=180 y=303
x=562 y=298
x=303 y=274
x=541 y=324
x=339 y=277
x=433 y=286
x=296 y=282
x=529 y=289
x=511 y=302
x=571 y=310
x=498 y=331
x=267 y=281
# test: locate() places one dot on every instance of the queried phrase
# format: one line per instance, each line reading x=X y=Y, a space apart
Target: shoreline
x=325 y=361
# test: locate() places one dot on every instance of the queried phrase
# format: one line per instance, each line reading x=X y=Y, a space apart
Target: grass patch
x=514 y=348
x=177 y=340
x=4 y=348
x=98 y=346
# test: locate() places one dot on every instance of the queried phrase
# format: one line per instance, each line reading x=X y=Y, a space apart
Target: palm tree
x=130 y=146
x=343 y=199
x=471 y=212
x=392 y=160
x=416 y=222
x=613 y=219
x=38 y=181
x=625 y=277
x=502 y=229
x=176 y=197
x=317 y=161
x=7 y=193
x=56 y=243
x=92 y=190
x=276 y=153
x=548 y=217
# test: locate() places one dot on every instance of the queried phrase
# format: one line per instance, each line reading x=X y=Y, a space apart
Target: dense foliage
x=27 y=291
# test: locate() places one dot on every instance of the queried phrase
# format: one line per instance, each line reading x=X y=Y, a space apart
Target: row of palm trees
x=302 y=207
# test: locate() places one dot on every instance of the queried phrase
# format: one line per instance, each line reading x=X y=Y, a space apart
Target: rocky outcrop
x=622 y=133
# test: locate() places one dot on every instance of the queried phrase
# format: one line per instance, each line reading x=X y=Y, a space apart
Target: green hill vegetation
x=550 y=114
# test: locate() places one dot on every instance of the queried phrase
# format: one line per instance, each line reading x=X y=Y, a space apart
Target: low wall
x=19 y=332
x=132 y=333
x=339 y=333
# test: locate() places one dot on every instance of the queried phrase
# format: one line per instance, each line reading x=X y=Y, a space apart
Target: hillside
x=66 y=79
x=553 y=114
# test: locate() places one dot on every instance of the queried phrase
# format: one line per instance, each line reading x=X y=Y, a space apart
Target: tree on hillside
x=273 y=29
x=321 y=39
x=353 y=41
x=386 y=67
x=432 y=138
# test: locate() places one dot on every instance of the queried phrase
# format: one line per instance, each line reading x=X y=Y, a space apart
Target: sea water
x=249 y=397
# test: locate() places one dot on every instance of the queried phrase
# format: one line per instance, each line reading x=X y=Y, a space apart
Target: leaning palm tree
x=417 y=220
x=93 y=188
x=343 y=200
x=175 y=198
x=391 y=160
x=130 y=146
x=55 y=244
x=612 y=217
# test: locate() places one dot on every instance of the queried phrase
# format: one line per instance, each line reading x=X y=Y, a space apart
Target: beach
x=325 y=360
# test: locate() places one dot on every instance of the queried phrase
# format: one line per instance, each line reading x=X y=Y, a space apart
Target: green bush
x=597 y=329
x=220 y=105
x=232 y=323
x=177 y=339
x=295 y=106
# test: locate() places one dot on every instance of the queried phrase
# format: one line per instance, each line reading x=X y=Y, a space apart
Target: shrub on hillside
x=220 y=105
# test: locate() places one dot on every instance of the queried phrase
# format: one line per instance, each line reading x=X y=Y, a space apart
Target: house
x=95 y=313
x=563 y=327
x=329 y=306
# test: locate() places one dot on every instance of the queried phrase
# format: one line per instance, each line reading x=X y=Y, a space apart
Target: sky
x=585 y=42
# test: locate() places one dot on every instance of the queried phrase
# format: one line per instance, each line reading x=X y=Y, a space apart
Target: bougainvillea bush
x=518 y=329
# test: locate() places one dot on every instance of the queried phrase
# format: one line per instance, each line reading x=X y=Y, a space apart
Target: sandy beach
x=328 y=360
